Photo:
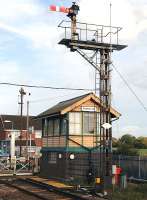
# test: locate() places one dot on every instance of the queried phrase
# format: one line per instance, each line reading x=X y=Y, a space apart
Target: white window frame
x=75 y=123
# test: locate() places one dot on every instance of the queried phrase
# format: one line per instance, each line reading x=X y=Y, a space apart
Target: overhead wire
x=45 y=87
x=130 y=88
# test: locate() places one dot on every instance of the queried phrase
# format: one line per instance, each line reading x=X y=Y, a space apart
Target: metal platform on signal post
x=90 y=45
x=90 y=37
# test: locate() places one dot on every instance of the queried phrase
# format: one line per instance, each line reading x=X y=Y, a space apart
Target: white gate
x=17 y=166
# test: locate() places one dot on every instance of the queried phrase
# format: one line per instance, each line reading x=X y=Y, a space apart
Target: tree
x=128 y=139
x=114 y=142
x=126 y=149
x=126 y=145
x=140 y=143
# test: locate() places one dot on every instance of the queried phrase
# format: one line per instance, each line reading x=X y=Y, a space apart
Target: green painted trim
x=80 y=150
x=76 y=150
x=53 y=149
x=63 y=149
x=69 y=149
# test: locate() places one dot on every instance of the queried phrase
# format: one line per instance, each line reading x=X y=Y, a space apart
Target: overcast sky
x=30 y=54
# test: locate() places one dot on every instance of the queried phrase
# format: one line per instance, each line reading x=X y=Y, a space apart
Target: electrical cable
x=130 y=88
x=45 y=87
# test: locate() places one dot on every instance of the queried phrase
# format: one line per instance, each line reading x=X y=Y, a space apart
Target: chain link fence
x=134 y=166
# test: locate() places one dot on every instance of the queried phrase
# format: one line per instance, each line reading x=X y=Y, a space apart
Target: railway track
x=41 y=192
x=10 y=193
x=35 y=190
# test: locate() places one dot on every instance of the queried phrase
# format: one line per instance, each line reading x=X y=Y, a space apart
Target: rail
x=43 y=191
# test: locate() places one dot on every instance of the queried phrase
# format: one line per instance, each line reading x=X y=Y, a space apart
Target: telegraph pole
x=22 y=93
x=27 y=129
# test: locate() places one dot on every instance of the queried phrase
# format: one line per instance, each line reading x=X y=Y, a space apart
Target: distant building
x=12 y=124
x=71 y=138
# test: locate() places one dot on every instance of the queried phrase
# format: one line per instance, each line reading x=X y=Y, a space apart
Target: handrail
x=97 y=25
x=85 y=31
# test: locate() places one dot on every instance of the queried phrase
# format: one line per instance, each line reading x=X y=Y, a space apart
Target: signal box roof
x=68 y=105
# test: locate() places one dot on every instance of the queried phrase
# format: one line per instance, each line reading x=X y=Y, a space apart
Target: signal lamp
x=73 y=10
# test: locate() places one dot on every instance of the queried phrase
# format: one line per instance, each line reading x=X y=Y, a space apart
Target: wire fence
x=84 y=166
x=134 y=166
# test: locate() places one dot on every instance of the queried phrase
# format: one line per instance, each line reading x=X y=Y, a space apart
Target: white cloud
x=19 y=10
x=42 y=35
x=28 y=19
x=124 y=14
x=10 y=70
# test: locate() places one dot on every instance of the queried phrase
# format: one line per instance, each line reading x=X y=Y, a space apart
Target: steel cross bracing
x=89 y=59
x=93 y=60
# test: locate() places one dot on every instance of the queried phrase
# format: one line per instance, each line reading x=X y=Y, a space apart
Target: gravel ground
x=8 y=193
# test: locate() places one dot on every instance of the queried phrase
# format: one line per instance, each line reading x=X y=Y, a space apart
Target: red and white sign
x=58 y=9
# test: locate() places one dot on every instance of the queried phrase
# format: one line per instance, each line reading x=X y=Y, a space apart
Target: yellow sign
x=98 y=180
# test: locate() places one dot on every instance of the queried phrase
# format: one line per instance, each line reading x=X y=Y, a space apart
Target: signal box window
x=56 y=127
x=63 y=126
x=89 y=123
x=50 y=127
x=75 y=123
x=45 y=127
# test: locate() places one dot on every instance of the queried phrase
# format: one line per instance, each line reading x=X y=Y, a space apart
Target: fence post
x=119 y=160
x=139 y=168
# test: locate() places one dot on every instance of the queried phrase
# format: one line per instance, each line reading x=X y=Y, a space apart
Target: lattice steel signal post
x=84 y=38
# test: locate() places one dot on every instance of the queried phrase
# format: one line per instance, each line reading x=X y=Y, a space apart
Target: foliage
x=126 y=149
x=141 y=143
x=128 y=139
x=114 y=142
x=129 y=145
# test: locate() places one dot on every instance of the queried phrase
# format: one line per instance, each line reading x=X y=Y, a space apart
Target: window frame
x=63 y=126
x=79 y=123
x=56 y=134
x=45 y=128
x=96 y=125
x=50 y=134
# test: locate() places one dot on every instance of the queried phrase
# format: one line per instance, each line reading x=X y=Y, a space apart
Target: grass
x=133 y=192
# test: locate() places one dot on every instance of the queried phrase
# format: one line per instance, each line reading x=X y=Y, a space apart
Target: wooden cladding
x=87 y=141
x=73 y=141
x=89 y=103
x=54 y=142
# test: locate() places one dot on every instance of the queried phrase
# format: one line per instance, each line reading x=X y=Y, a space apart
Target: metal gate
x=17 y=166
